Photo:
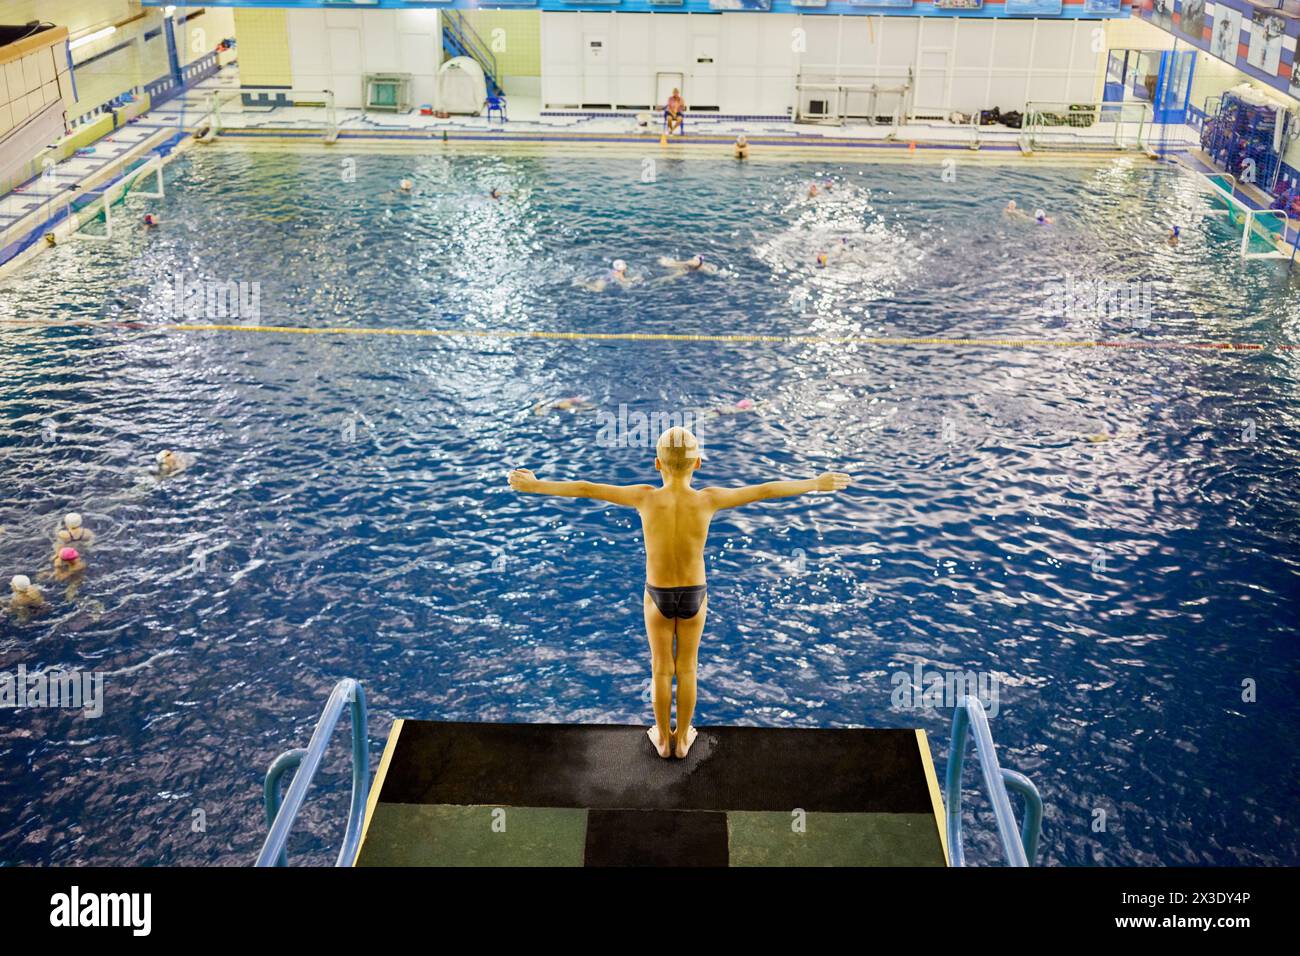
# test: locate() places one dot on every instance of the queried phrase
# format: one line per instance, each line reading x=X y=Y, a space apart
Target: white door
x=595 y=70
x=702 y=88
x=931 y=81
x=345 y=66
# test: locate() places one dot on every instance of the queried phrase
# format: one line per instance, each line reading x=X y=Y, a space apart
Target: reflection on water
x=1111 y=535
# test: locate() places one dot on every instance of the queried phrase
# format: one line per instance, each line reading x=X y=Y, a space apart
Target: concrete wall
x=956 y=63
x=519 y=64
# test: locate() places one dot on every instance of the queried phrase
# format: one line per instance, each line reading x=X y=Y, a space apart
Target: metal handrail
x=1019 y=848
x=472 y=43
x=305 y=762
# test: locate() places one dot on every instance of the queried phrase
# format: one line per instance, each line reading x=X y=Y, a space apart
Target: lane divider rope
x=870 y=340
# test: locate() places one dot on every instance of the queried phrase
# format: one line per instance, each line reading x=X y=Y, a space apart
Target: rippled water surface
x=1111 y=534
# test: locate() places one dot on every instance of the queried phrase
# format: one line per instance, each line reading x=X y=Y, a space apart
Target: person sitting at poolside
x=572 y=404
x=742 y=147
x=73 y=532
x=25 y=596
x=681 y=267
x=617 y=275
x=675 y=525
x=674 y=110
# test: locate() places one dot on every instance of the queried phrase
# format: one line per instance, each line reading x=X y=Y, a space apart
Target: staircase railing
x=305 y=762
x=465 y=41
x=1020 y=848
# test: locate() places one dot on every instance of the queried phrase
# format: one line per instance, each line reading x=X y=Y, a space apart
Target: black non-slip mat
x=613 y=767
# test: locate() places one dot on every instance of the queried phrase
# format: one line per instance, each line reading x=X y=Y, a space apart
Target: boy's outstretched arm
x=735 y=497
x=525 y=482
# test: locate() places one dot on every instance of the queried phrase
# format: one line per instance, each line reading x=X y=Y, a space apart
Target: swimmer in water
x=741 y=150
x=617 y=275
x=1014 y=211
x=681 y=267
x=25 y=597
x=495 y=194
x=572 y=404
x=1174 y=236
x=150 y=219
x=1042 y=218
x=675 y=525
x=739 y=408
x=170 y=463
x=74 y=532
x=70 y=568
x=406 y=186
x=835 y=252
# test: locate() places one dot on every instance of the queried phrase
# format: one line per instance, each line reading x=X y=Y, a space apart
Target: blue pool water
x=348 y=493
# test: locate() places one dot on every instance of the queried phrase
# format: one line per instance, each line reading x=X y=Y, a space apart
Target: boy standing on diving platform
x=675 y=521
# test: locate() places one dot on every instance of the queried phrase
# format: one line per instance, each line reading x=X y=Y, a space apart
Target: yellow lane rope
x=871 y=340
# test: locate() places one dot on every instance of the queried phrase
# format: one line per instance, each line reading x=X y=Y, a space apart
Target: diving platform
x=476 y=794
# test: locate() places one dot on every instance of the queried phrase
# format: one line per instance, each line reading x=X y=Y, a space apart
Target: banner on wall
x=880 y=3
x=1264 y=44
x=959 y=4
x=1102 y=6
x=763 y=5
x=1033 y=8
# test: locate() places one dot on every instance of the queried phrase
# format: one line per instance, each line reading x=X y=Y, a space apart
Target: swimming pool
x=1100 y=530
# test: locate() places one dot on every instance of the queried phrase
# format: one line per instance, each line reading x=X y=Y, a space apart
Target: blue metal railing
x=1020 y=848
x=460 y=39
x=305 y=762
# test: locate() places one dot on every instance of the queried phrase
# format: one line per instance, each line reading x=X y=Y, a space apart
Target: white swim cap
x=1040 y=214
x=20 y=582
x=620 y=265
x=161 y=456
x=72 y=519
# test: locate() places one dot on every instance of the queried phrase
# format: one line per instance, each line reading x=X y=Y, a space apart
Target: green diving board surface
x=463 y=794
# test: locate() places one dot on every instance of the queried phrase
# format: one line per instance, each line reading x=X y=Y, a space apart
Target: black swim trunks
x=681 y=602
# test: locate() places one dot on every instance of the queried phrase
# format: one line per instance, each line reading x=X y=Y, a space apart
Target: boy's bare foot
x=683 y=747
x=662 y=747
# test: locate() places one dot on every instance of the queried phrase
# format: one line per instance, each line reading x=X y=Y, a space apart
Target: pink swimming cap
x=69 y=554
x=745 y=403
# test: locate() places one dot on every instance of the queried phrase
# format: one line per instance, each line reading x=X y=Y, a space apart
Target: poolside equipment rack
x=304 y=762
x=388 y=91
x=826 y=100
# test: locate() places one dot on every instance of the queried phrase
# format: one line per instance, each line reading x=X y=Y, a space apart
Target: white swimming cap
x=1040 y=214
x=161 y=456
x=72 y=519
x=620 y=265
x=20 y=582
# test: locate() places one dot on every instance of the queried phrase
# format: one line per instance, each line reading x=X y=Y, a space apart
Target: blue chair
x=496 y=104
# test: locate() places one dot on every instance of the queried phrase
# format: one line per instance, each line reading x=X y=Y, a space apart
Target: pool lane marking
x=658 y=336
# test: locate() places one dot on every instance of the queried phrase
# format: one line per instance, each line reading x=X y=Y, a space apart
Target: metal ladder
x=305 y=762
x=1020 y=848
